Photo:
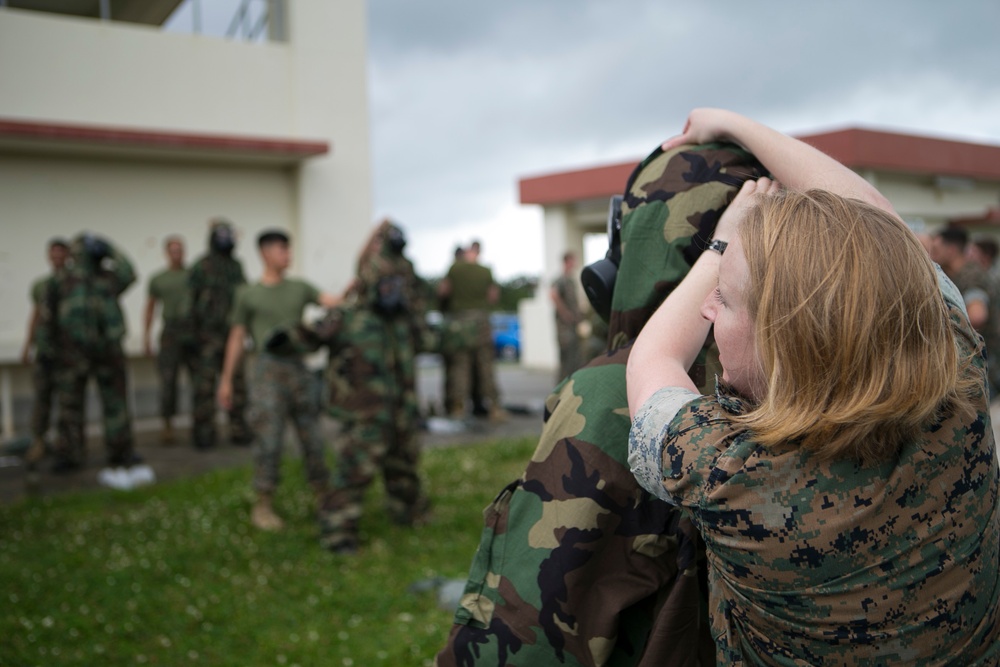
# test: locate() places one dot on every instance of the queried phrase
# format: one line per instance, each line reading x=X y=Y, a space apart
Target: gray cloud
x=467 y=97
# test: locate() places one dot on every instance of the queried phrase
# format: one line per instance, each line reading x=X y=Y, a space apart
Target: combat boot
x=263 y=516
x=498 y=415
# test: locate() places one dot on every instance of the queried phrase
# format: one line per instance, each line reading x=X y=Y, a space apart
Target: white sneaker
x=141 y=475
x=115 y=478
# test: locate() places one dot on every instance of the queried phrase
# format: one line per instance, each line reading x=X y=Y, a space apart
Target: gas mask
x=395 y=240
x=222 y=239
x=598 y=279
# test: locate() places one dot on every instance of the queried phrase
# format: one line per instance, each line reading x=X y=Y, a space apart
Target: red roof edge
x=573 y=185
x=854 y=147
x=989 y=217
x=158 y=139
x=892 y=151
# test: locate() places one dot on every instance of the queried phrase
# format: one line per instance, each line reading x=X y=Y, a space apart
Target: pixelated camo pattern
x=213 y=281
x=895 y=564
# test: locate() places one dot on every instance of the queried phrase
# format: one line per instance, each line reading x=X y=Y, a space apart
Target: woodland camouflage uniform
x=43 y=371
x=213 y=282
x=372 y=390
x=83 y=325
x=577 y=564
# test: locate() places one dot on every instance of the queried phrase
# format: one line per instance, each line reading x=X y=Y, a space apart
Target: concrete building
x=929 y=181
x=110 y=124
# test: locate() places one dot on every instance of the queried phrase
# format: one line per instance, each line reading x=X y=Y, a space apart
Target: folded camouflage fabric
x=577 y=564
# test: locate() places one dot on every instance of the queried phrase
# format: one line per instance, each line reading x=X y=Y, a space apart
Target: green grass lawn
x=174 y=573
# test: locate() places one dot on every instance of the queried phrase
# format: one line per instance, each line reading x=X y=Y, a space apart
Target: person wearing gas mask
x=280 y=384
x=212 y=283
x=373 y=389
x=373 y=340
x=81 y=320
x=578 y=564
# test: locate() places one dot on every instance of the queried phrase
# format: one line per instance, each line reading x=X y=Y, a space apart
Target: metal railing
x=253 y=21
x=258 y=18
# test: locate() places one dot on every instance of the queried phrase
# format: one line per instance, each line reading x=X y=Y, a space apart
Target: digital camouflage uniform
x=43 y=373
x=177 y=342
x=837 y=563
x=372 y=391
x=213 y=282
x=281 y=387
x=577 y=564
x=82 y=321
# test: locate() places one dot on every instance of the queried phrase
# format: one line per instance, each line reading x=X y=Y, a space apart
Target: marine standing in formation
x=568 y=317
x=81 y=320
x=169 y=287
x=44 y=371
x=281 y=385
x=213 y=282
x=471 y=292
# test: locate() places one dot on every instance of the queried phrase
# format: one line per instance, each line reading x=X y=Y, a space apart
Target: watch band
x=718 y=246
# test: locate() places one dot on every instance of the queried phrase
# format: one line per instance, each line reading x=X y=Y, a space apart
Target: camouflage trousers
x=108 y=369
x=280 y=388
x=43 y=377
x=366 y=449
x=473 y=362
x=176 y=350
x=208 y=367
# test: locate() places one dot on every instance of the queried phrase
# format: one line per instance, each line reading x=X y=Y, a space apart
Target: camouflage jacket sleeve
x=122 y=271
x=196 y=284
x=46 y=332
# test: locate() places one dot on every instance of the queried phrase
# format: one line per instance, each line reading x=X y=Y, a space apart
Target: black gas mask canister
x=598 y=279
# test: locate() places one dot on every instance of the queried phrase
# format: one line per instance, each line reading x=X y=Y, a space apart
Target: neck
x=272 y=276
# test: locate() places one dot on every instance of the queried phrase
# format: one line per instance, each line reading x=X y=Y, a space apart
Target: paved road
x=522 y=390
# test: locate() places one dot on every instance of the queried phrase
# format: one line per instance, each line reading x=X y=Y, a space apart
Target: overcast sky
x=467 y=97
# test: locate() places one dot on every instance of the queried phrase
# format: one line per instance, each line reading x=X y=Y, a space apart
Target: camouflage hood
x=672 y=202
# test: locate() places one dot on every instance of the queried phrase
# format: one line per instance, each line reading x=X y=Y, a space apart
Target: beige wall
x=314 y=86
x=79 y=71
x=134 y=204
